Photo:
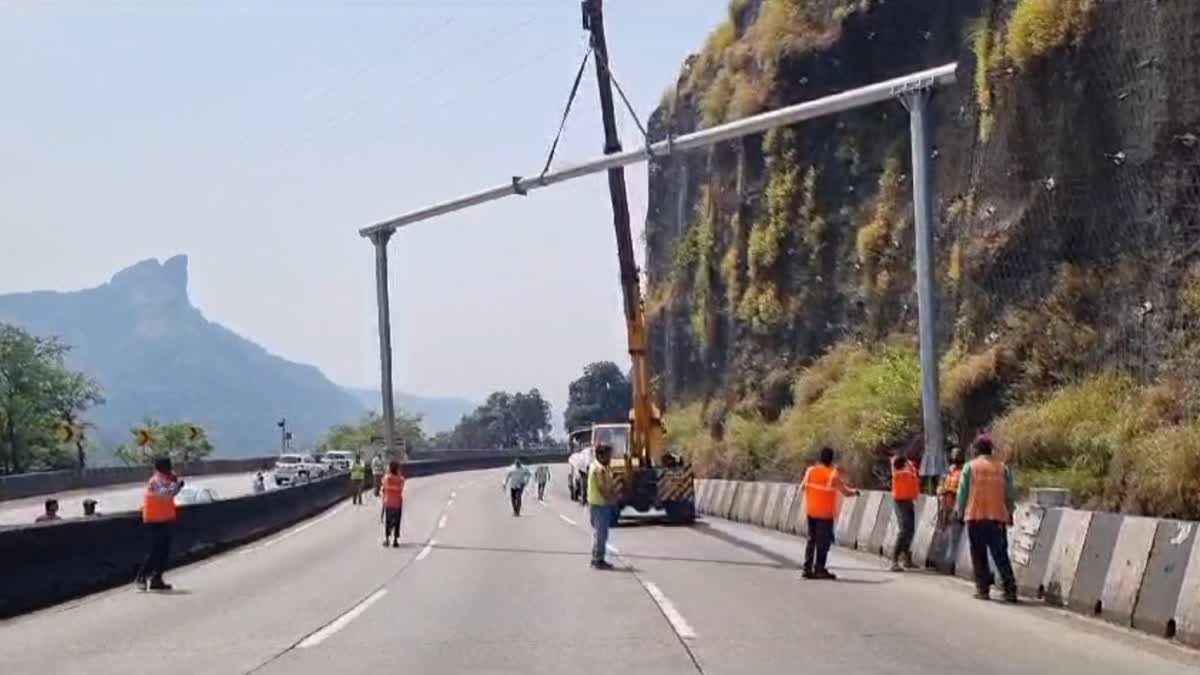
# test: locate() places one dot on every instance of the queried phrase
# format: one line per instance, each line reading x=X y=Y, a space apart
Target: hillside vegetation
x=1067 y=166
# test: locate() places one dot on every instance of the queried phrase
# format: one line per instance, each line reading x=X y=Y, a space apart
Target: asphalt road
x=115 y=498
x=475 y=590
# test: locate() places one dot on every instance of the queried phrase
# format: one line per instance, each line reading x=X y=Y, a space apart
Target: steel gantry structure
x=912 y=90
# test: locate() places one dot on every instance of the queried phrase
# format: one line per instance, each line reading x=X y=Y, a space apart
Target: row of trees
x=41 y=403
x=368 y=432
x=503 y=421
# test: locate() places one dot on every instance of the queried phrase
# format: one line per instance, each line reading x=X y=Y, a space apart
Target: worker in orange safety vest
x=906 y=489
x=821 y=485
x=986 y=497
x=392 y=487
x=158 y=516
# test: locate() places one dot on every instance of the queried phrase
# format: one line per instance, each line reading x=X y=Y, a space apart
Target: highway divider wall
x=1132 y=571
x=48 y=563
x=49 y=482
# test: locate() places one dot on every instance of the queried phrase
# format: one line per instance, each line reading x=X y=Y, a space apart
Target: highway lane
x=116 y=498
x=477 y=590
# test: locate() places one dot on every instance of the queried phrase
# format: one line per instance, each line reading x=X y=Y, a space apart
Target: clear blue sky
x=257 y=137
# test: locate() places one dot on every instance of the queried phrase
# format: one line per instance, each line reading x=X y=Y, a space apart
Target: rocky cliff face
x=1067 y=198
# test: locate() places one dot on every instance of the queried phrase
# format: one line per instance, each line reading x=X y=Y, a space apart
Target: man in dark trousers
x=821 y=485
x=986 y=496
x=392 y=489
x=906 y=489
x=158 y=515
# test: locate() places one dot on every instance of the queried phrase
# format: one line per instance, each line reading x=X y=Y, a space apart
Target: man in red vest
x=158 y=515
x=986 y=496
x=821 y=485
x=906 y=489
x=392 y=487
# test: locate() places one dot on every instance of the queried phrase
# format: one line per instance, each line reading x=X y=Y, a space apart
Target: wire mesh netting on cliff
x=779 y=267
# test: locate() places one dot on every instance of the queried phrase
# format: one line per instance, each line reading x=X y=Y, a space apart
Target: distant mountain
x=156 y=355
x=439 y=414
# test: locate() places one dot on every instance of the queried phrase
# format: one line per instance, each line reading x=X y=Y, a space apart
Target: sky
x=258 y=137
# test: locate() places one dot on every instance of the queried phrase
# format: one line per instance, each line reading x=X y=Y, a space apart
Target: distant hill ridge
x=156 y=354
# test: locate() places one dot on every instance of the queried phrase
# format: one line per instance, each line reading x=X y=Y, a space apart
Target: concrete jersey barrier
x=1129 y=570
x=48 y=482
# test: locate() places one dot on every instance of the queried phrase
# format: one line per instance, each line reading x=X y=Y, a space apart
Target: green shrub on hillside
x=872 y=402
x=1040 y=26
x=1166 y=477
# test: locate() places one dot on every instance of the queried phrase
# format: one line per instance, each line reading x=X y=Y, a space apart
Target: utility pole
x=933 y=461
x=380 y=239
x=283 y=434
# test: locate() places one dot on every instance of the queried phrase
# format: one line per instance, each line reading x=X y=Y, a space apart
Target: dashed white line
x=425 y=551
x=682 y=628
x=442 y=522
x=567 y=520
x=342 y=621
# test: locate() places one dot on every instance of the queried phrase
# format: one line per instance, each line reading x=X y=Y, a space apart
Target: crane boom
x=645 y=441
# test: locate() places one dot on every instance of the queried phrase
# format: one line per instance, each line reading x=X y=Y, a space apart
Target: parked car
x=297 y=468
x=338 y=460
x=195 y=495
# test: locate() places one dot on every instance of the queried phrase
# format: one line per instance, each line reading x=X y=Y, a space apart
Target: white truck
x=295 y=468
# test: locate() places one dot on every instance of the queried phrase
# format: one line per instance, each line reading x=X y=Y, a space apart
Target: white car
x=338 y=460
x=195 y=495
x=297 y=468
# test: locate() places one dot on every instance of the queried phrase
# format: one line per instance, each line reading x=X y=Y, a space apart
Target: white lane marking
x=342 y=621
x=453 y=494
x=425 y=551
x=567 y=520
x=682 y=628
x=293 y=532
x=442 y=522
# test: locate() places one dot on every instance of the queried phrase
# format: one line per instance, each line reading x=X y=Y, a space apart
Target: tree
x=368 y=432
x=602 y=395
x=38 y=396
x=503 y=421
x=181 y=441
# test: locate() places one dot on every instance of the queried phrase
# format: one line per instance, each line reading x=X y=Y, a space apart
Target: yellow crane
x=651 y=477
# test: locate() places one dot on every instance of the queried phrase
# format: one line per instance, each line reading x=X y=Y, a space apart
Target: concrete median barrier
x=1130 y=555
x=762 y=496
x=1092 y=570
x=49 y=563
x=1162 y=582
x=845 y=529
x=1187 y=609
x=927 y=512
x=1066 y=551
x=49 y=482
x=884 y=519
x=1031 y=545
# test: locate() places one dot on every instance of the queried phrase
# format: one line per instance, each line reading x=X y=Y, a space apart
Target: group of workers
x=979 y=496
x=387 y=485
x=518 y=476
x=49 y=512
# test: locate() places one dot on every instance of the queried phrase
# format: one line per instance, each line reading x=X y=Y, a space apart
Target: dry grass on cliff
x=1040 y=26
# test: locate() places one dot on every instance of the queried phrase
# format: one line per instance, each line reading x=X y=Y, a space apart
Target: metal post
x=933 y=463
x=380 y=239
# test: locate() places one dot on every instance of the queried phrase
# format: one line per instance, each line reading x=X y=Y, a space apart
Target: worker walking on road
x=358 y=479
x=376 y=473
x=158 y=515
x=601 y=498
x=821 y=485
x=906 y=489
x=515 y=481
x=393 y=504
x=986 y=496
x=542 y=476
